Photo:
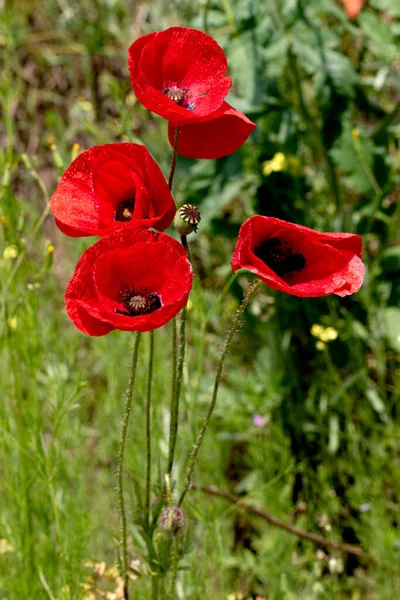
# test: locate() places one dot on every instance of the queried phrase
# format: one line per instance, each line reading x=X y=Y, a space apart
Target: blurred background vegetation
x=307 y=424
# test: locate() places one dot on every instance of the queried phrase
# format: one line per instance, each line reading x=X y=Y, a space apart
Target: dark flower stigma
x=279 y=257
x=124 y=210
x=139 y=302
x=178 y=94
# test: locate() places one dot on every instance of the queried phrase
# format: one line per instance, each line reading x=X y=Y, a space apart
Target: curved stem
x=228 y=342
x=124 y=428
x=173 y=161
x=148 y=428
x=354 y=549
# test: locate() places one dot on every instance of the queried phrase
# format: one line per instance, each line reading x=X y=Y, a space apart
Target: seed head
x=187 y=219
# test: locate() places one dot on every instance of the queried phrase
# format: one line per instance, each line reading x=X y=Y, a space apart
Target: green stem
x=173 y=430
x=124 y=428
x=155 y=586
x=176 y=390
x=173 y=161
x=174 y=574
x=148 y=428
x=200 y=356
x=228 y=342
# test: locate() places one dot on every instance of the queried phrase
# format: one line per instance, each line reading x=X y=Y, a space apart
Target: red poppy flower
x=214 y=138
x=112 y=187
x=353 y=7
x=298 y=260
x=132 y=279
x=179 y=74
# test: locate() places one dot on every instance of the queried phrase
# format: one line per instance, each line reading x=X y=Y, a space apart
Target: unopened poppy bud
x=187 y=219
x=172 y=520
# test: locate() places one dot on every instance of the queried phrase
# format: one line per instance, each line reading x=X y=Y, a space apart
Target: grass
x=327 y=456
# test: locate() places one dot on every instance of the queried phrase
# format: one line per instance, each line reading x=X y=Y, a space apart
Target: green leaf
x=334 y=433
x=355 y=159
x=390 y=261
x=391 y=322
x=376 y=401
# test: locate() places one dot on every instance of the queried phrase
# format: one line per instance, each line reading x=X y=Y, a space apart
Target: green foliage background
x=324 y=91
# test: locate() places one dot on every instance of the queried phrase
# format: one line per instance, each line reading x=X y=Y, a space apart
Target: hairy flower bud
x=172 y=520
x=187 y=219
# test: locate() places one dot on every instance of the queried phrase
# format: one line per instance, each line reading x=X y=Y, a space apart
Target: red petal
x=86 y=198
x=119 y=261
x=179 y=55
x=214 y=138
x=333 y=264
x=353 y=7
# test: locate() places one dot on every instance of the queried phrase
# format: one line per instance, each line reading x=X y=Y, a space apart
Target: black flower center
x=139 y=301
x=179 y=94
x=124 y=210
x=279 y=257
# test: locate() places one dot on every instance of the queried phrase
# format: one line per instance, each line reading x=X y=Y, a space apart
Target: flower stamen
x=137 y=302
x=279 y=257
x=124 y=210
x=179 y=94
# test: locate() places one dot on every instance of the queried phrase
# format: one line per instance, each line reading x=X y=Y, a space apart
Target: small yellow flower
x=189 y=305
x=355 y=133
x=10 y=252
x=330 y=334
x=276 y=164
x=5 y=546
x=320 y=345
x=3 y=220
x=324 y=334
x=50 y=249
x=130 y=99
x=12 y=322
x=51 y=140
x=316 y=330
x=75 y=148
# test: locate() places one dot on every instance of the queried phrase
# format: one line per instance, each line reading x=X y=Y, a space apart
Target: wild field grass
x=307 y=424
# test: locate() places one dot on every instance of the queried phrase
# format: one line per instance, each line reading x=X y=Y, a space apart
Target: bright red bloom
x=214 y=138
x=353 y=7
x=298 y=260
x=132 y=279
x=179 y=74
x=112 y=187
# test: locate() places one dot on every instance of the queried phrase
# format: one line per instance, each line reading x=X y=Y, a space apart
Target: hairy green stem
x=174 y=574
x=148 y=428
x=228 y=342
x=176 y=390
x=173 y=161
x=173 y=430
x=124 y=429
x=155 y=587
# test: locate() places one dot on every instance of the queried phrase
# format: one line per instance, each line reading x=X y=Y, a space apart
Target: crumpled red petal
x=332 y=260
x=214 y=138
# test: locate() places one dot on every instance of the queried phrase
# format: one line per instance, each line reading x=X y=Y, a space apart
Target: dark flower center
x=124 y=210
x=279 y=257
x=179 y=94
x=139 y=301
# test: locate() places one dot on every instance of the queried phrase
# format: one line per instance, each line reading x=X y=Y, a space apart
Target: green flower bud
x=172 y=520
